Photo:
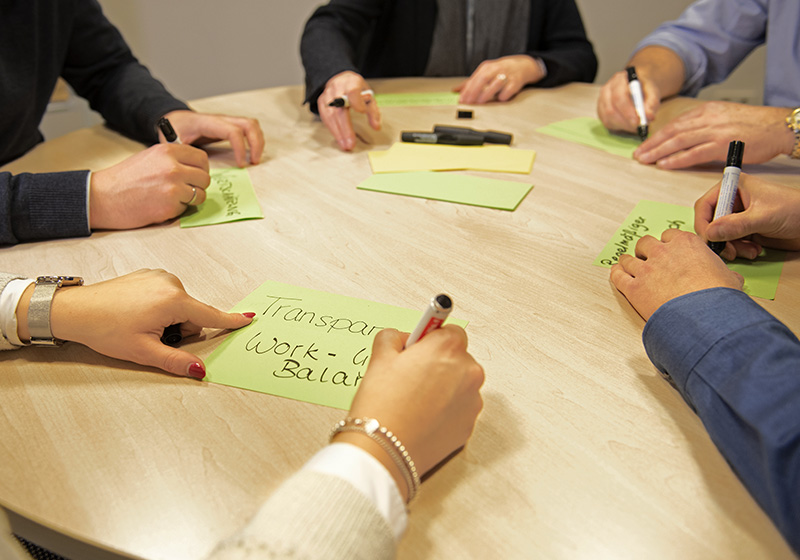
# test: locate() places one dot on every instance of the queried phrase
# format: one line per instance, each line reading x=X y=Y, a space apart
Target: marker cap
x=631 y=73
x=735 y=153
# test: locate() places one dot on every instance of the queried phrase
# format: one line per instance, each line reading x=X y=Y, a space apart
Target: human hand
x=427 y=394
x=500 y=78
x=765 y=215
x=615 y=105
x=148 y=188
x=202 y=128
x=679 y=264
x=337 y=119
x=703 y=134
x=125 y=317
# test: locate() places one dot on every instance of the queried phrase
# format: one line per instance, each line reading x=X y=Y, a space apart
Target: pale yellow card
x=407 y=156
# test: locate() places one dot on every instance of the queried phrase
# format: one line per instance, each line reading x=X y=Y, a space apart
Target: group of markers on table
x=440 y=305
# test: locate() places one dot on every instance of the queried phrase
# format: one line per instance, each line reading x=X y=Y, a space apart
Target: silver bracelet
x=389 y=442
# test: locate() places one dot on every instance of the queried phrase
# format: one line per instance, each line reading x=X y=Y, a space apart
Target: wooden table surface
x=582 y=450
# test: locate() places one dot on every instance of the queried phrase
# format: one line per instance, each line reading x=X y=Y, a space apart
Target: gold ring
x=194 y=195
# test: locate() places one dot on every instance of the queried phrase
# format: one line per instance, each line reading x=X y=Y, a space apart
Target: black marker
x=340 y=102
x=635 y=87
x=166 y=129
x=460 y=139
x=489 y=136
x=730 y=184
x=172 y=335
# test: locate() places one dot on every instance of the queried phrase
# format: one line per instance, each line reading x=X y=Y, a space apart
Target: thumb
x=730 y=227
x=652 y=100
x=173 y=360
x=387 y=344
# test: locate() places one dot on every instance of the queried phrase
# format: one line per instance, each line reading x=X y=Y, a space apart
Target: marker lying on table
x=727 y=191
x=490 y=136
x=433 y=317
x=459 y=139
x=166 y=129
x=635 y=87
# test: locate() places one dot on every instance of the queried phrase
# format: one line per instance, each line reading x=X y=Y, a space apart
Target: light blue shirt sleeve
x=712 y=37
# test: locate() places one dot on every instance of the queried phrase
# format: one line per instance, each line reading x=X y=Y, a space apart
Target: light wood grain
x=582 y=450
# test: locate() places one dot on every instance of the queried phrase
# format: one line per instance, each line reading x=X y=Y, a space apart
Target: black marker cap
x=716 y=246
x=631 y=73
x=735 y=153
x=166 y=129
x=443 y=301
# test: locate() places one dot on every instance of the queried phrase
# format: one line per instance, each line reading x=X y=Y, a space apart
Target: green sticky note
x=229 y=198
x=652 y=218
x=417 y=99
x=449 y=187
x=591 y=132
x=305 y=344
x=408 y=156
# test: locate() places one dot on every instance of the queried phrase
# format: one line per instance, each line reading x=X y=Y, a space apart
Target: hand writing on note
x=428 y=395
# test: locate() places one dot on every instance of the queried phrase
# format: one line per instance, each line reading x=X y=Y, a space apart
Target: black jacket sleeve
x=43 y=206
x=101 y=68
x=558 y=37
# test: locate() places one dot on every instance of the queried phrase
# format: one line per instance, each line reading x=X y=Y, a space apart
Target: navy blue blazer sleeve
x=37 y=206
x=739 y=368
x=101 y=68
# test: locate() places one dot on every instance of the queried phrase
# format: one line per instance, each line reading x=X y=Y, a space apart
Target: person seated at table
x=735 y=364
x=703 y=46
x=45 y=39
x=502 y=46
x=349 y=500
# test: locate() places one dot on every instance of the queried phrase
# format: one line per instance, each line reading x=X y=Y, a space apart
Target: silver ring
x=194 y=195
x=502 y=77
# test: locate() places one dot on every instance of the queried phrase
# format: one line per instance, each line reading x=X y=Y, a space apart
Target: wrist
x=364 y=442
x=63 y=314
x=22 y=315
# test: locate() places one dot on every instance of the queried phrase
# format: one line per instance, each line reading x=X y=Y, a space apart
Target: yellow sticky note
x=305 y=344
x=407 y=156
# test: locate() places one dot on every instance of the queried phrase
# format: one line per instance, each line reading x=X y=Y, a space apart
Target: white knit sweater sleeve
x=313 y=515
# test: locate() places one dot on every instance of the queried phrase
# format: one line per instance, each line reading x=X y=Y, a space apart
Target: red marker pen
x=433 y=317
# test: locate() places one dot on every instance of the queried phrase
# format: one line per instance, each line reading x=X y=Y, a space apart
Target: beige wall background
x=203 y=48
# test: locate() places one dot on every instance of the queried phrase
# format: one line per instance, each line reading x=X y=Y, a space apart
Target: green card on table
x=419 y=99
x=451 y=187
x=229 y=198
x=305 y=344
x=652 y=218
x=591 y=132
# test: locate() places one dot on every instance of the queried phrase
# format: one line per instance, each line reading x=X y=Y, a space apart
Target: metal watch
x=793 y=122
x=39 y=308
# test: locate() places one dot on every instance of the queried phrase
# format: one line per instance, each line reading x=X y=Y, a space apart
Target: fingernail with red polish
x=249 y=314
x=197 y=370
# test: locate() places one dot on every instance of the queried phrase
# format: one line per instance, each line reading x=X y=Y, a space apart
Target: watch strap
x=39 y=314
x=793 y=122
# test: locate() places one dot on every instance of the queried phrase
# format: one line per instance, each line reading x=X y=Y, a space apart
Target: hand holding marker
x=635 y=87
x=433 y=317
x=730 y=184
